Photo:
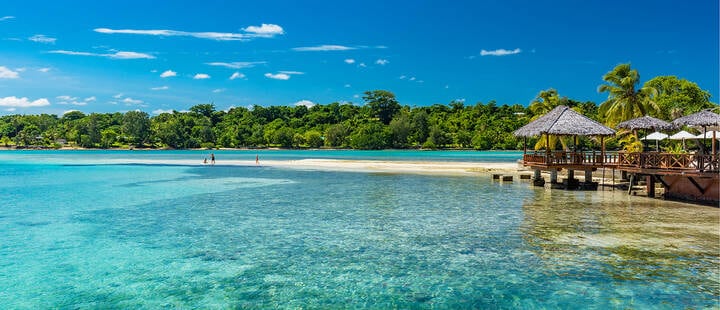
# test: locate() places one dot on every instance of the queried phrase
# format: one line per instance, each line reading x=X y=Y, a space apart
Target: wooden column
x=650 y=186
x=588 y=175
x=547 y=149
x=602 y=150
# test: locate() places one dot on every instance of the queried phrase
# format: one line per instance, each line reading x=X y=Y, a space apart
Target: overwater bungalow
x=686 y=176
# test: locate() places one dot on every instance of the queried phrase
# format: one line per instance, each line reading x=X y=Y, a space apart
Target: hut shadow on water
x=625 y=241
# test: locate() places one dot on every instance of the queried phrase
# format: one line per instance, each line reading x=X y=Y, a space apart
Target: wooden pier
x=694 y=177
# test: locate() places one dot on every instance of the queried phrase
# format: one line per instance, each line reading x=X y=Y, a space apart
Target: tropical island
x=380 y=123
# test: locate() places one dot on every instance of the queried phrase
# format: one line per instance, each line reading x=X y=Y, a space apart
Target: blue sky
x=155 y=56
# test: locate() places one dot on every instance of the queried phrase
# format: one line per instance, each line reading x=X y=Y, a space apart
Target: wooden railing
x=646 y=160
x=571 y=158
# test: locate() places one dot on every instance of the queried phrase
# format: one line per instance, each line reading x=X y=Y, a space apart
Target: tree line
x=381 y=123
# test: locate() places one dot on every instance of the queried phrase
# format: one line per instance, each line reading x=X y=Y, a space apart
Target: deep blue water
x=151 y=236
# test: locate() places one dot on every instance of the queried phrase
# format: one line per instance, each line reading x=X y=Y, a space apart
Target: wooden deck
x=645 y=163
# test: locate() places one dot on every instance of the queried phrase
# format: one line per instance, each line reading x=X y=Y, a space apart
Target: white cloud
x=161 y=111
x=218 y=90
x=118 y=96
x=168 y=73
x=349 y=61
x=500 y=52
x=307 y=103
x=236 y=64
x=130 y=101
x=348 y=85
x=116 y=55
x=291 y=72
x=320 y=48
x=279 y=76
x=24 y=102
x=6 y=18
x=402 y=77
x=160 y=88
x=237 y=75
x=66 y=98
x=130 y=55
x=6 y=73
x=41 y=38
x=263 y=31
x=20 y=69
x=362 y=64
x=43 y=70
x=356 y=96
x=10 y=109
x=153 y=71
x=412 y=78
x=201 y=76
x=382 y=62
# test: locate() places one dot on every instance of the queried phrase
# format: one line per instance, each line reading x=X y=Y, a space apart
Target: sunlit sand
x=377 y=166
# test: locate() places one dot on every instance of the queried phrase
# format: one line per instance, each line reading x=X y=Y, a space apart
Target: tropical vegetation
x=380 y=123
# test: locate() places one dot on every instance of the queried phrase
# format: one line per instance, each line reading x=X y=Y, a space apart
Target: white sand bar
x=378 y=166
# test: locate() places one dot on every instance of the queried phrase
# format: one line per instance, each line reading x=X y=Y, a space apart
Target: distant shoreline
x=12 y=148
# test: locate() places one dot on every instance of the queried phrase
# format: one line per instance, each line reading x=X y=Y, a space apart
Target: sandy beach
x=375 y=166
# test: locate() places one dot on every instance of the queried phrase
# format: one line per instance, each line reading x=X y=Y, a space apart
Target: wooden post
x=602 y=150
x=650 y=186
x=713 y=144
x=547 y=149
x=553 y=176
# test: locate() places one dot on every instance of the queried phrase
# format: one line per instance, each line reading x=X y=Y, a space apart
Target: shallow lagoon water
x=77 y=235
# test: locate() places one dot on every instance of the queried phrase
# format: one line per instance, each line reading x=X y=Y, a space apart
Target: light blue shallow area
x=129 y=236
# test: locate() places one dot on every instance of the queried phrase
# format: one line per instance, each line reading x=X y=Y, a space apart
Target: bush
x=207 y=145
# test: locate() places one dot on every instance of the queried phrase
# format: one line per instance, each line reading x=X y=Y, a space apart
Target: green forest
x=381 y=122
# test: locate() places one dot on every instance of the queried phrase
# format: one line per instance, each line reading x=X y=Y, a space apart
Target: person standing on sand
x=212 y=158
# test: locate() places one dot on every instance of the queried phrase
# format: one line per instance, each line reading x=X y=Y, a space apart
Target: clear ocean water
x=77 y=234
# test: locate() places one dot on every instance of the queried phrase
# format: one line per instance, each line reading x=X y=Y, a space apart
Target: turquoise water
x=107 y=236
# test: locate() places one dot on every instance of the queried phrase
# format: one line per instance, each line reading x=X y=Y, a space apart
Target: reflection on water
x=628 y=239
x=144 y=236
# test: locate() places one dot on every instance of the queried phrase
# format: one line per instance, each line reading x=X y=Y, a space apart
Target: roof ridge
x=558 y=117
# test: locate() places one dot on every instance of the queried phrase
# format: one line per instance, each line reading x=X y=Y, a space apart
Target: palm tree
x=625 y=101
x=545 y=101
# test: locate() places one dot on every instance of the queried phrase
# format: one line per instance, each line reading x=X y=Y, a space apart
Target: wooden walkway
x=645 y=162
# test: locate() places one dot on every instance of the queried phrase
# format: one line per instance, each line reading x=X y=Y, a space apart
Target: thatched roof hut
x=702 y=118
x=563 y=121
x=646 y=122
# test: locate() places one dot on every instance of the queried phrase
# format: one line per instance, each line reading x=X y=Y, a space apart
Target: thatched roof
x=702 y=118
x=646 y=122
x=563 y=121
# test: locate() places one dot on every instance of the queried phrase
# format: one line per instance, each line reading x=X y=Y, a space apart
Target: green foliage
x=381 y=123
x=383 y=104
x=136 y=126
x=624 y=100
x=314 y=139
x=678 y=97
x=337 y=135
x=371 y=136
